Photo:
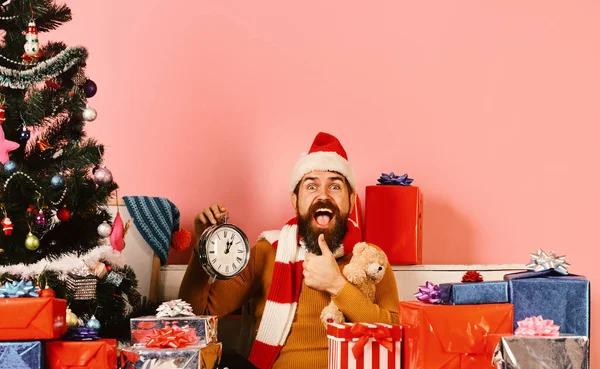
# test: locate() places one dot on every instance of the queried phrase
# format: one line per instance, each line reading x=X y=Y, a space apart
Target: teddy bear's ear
x=383 y=258
x=355 y=274
x=359 y=248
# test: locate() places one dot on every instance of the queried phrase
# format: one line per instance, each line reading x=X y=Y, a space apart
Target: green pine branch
x=50 y=16
x=42 y=96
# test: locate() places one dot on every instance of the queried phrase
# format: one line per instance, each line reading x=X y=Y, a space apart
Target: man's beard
x=334 y=235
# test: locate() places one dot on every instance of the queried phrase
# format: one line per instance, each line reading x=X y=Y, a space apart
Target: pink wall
x=491 y=106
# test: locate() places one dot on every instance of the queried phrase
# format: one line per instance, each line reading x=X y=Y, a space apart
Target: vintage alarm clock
x=223 y=250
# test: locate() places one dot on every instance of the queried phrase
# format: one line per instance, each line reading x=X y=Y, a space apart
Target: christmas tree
x=54 y=185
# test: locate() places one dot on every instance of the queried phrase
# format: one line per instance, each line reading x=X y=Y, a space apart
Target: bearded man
x=293 y=273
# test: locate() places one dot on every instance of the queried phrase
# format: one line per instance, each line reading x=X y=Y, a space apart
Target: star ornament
x=6 y=146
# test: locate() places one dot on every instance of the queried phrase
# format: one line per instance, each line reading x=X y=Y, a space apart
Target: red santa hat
x=327 y=154
x=31 y=28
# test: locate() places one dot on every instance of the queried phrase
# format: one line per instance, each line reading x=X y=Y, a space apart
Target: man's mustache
x=324 y=204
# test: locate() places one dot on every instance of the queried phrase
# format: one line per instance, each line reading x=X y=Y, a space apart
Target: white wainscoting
x=408 y=277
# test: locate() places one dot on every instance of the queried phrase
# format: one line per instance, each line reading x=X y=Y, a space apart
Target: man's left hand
x=322 y=272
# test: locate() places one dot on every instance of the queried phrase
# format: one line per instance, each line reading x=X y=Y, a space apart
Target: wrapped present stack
x=539 y=318
x=174 y=338
x=448 y=327
x=552 y=317
x=475 y=323
x=27 y=320
x=34 y=332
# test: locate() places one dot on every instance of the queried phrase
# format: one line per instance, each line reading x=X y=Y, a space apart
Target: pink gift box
x=364 y=346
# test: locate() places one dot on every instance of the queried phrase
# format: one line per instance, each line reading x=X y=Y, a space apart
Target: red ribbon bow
x=52 y=84
x=171 y=337
x=472 y=276
x=379 y=333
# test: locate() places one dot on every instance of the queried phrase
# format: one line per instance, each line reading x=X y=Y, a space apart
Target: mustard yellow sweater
x=306 y=345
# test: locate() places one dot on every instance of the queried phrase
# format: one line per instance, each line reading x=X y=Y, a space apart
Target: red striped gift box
x=364 y=346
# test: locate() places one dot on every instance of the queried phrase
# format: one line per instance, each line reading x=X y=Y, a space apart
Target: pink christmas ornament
x=117 y=234
x=6 y=146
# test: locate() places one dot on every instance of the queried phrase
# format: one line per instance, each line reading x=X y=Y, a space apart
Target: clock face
x=227 y=251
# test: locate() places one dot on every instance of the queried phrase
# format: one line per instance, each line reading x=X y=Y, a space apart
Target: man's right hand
x=209 y=216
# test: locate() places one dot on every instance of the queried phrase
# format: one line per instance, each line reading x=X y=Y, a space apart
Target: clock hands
x=229 y=243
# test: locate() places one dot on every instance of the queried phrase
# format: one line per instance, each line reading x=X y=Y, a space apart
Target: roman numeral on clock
x=239 y=259
x=234 y=266
x=225 y=234
x=227 y=269
x=240 y=251
x=213 y=261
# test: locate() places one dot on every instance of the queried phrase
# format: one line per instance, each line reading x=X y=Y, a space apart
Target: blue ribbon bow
x=392 y=179
x=19 y=289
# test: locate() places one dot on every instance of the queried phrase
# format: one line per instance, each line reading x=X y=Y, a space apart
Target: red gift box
x=111 y=352
x=393 y=221
x=79 y=354
x=451 y=336
x=32 y=318
x=363 y=346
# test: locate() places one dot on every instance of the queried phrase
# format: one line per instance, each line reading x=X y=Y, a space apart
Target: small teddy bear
x=365 y=270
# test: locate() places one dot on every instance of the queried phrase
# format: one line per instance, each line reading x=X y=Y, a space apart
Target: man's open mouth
x=323 y=216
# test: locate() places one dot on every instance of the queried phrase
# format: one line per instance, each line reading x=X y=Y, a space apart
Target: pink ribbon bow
x=536 y=326
x=380 y=334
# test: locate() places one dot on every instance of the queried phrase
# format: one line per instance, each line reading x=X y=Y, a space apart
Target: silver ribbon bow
x=174 y=308
x=545 y=261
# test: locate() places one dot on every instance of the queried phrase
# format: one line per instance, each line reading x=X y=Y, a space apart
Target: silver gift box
x=189 y=357
x=558 y=352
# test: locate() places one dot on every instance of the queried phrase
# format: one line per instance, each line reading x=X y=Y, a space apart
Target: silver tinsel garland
x=63 y=61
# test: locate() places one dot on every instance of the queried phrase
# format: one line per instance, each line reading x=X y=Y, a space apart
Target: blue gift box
x=21 y=355
x=563 y=298
x=495 y=292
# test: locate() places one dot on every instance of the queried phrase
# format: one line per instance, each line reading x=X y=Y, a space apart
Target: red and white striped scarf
x=286 y=283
